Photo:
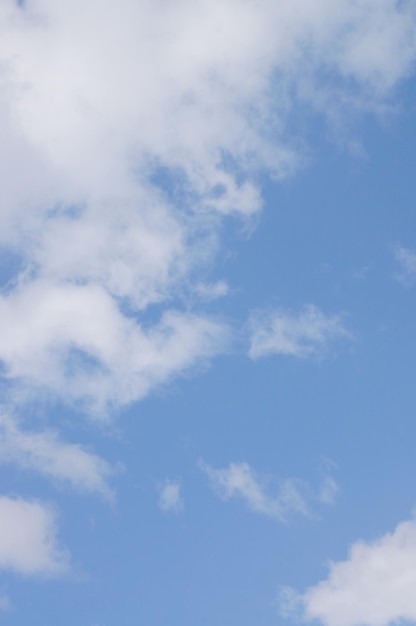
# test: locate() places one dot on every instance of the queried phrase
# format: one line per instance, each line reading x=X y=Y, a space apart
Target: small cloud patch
x=170 y=497
x=305 y=334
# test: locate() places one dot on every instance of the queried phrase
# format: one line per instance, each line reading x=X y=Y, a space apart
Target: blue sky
x=208 y=270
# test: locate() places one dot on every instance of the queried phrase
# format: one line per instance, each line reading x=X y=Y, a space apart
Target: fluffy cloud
x=28 y=539
x=127 y=129
x=46 y=453
x=304 y=334
x=373 y=587
x=170 y=498
x=74 y=340
x=265 y=495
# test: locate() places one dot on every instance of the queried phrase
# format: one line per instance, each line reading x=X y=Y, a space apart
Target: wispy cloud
x=28 y=543
x=46 y=453
x=264 y=494
x=407 y=261
x=5 y=604
x=307 y=333
x=328 y=490
x=374 y=586
x=212 y=291
x=170 y=497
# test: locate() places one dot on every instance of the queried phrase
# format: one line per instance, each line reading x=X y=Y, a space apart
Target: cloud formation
x=28 y=543
x=266 y=495
x=305 y=334
x=373 y=587
x=129 y=131
x=116 y=171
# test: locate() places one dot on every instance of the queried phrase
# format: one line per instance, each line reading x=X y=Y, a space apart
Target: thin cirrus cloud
x=305 y=334
x=115 y=173
x=28 y=539
x=374 y=586
x=265 y=495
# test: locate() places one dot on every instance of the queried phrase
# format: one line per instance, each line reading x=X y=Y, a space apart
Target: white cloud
x=46 y=453
x=375 y=586
x=115 y=172
x=302 y=335
x=128 y=130
x=407 y=260
x=28 y=543
x=170 y=498
x=74 y=340
x=264 y=495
